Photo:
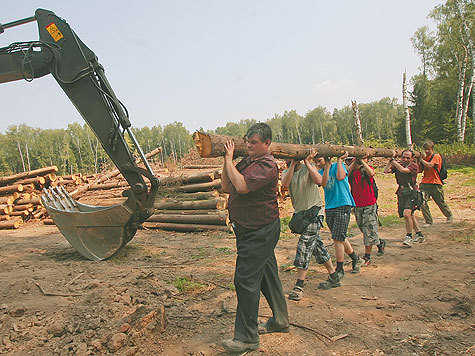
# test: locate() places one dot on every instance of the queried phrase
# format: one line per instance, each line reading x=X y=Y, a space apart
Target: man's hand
x=229 y=147
x=311 y=156
x=345 y=155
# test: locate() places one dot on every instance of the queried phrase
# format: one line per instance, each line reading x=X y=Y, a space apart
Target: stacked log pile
x=20 y=196
x=191 y=202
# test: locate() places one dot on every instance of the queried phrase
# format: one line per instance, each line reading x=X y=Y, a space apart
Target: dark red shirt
x=258 y=207
x=362 y=188
x=403 y=179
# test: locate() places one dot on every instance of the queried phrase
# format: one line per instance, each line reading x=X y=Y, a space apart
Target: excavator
x=96 y=232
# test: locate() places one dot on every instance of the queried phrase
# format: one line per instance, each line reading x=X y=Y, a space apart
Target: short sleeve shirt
x=361 y=189
x=259 y=207
x=430 y=175
x=403 y=179
x=337 y=192
x=304 y=193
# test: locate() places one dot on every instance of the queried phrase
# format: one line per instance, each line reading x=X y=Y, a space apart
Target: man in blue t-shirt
x=338 y=204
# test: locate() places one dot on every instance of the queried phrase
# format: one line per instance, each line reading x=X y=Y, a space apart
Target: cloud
x=331 y=87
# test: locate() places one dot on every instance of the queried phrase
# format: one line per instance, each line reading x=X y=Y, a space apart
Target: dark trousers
x=256 y=271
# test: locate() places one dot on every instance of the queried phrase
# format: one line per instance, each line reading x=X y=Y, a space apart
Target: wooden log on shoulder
x=199 y=204
x=23 y=175
x=213 y=146
x=186 y=227
x=10 y=224
x=206 y=219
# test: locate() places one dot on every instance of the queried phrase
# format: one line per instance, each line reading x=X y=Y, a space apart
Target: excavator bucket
x=96 y=232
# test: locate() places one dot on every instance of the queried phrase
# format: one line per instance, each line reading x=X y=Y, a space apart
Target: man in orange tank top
x=431 y=184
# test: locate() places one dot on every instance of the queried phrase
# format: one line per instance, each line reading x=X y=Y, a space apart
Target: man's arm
x=369 y=171
x=340 y=171
x=400 y=168
x=389 y=166
x=426 y=164
x=288 y=174
x=235 y=178
x=312 y=170
x=326 y=171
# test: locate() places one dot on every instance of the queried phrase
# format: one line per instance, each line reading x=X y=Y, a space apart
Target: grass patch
x=389 y=220
x=224 y=250
x=185 y=284
x=284 y=224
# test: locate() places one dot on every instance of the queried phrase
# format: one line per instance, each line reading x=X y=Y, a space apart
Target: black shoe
x=381 y=246
x=268 y=328
x=355 y=265
x=333 y=281
x=236 y=346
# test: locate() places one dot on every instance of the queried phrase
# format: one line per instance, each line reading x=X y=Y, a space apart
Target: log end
x=202 y=143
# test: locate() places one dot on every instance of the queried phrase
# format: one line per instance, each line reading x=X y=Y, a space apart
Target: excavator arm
x=96 y=232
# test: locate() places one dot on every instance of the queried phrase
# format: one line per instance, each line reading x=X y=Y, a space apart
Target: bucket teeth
x=59 y=198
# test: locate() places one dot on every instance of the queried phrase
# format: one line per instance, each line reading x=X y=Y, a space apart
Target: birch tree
x=356 y=115
x=406 y=112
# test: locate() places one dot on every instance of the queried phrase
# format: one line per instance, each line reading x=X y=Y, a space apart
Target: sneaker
x=268 y=327
x=419 y=237
x=428 y=225
x=366 y=261
x=450 y=219
x=408 y=241
x=236 y=346
x=381 y=246
x=333 y=281
x=355 y=265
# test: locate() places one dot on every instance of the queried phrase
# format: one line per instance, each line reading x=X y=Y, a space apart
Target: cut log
x=35 y=180
x=11 y=188
x=23 y=175
x=4 y=217
x=199 y=204
x=19 y=207
x=109 y=175
x=202 y=177
x=193 y=212
x=8 y=200
x=200 y=187
x=186 y=227
x=205 y=219
x=177 y=196
x=5 y=209
x=213 y=146
x=39 y=213
x=33 y=200
x=48 y=221
x=23 y=213
x=28 y=188
x=10 y=224
x=108 y=185
x=201 y=166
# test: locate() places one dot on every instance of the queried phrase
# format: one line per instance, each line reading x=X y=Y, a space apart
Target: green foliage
x=284 y=224
x=185 y=284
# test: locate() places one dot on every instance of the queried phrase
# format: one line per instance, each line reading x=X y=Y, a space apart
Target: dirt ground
x=172 y=294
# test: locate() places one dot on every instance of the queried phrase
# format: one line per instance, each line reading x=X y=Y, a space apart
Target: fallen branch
x=52 y=294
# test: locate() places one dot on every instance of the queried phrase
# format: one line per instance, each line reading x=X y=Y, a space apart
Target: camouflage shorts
x=310 y=244
x=367 y=220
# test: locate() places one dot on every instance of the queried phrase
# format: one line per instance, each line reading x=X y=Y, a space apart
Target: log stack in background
x=20 y=196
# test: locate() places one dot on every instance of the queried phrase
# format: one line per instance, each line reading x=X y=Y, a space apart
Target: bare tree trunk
x=298 y=132
x=406 y=111
x=471 y=50
x=459 y=114
x=356 y=115
x=21 y=156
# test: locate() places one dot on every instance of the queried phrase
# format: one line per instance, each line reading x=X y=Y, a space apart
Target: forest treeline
x=441 y=103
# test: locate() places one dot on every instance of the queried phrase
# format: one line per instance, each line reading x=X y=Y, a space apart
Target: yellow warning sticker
x=54 y=32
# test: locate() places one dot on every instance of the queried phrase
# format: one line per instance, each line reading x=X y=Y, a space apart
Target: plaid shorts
x=367 y=220
x=310 y=244
x=338 y=220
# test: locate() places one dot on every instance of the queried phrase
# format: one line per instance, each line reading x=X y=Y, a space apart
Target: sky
x=208 y=62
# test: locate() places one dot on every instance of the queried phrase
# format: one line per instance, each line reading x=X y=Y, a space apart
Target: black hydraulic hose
x=4 y=26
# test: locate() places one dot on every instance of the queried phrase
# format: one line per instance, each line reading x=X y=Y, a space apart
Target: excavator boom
x=95 y=232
